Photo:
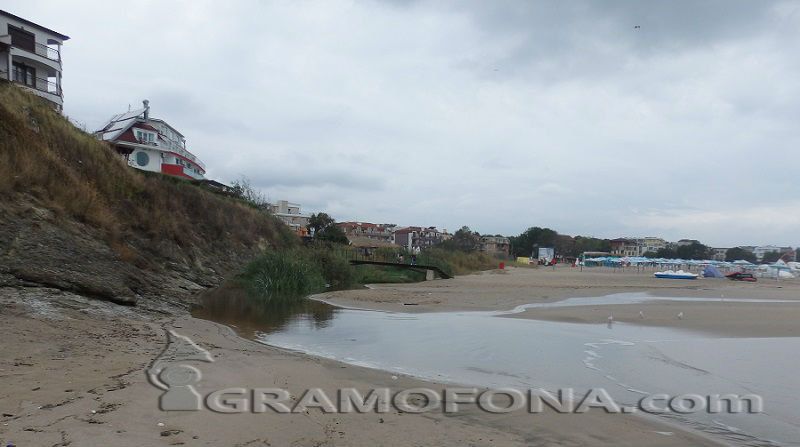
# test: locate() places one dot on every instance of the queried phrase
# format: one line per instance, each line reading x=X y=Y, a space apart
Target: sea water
x=629 y=361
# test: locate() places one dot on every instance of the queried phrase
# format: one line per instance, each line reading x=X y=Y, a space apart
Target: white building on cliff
x=151 y=144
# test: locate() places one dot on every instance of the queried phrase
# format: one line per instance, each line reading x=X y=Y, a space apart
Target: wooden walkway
x=402 y=266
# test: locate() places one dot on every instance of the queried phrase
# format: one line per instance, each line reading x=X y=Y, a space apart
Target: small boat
x=680 y=274
x=739 y=276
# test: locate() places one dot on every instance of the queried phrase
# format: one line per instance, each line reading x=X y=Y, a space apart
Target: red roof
x=127 y=136
x=144 y=126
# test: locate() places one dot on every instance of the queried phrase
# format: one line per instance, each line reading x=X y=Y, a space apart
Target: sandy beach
x=73 y=369
x=505 y=289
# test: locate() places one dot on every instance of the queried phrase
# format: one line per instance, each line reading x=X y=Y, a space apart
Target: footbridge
x=426 y=268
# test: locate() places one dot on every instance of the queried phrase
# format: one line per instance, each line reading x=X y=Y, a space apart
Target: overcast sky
x=496 y=115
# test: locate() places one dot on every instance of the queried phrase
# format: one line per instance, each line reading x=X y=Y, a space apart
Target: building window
x=24 y=74
x=142 y=159
x=145 y=137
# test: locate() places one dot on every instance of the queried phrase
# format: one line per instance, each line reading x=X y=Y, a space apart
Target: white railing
x=41 y=84
x=48 y=52
x=41 y=50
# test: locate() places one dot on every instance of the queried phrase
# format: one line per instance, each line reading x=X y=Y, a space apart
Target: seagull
x=641 y=314
x=610 y=318
x=680 y=315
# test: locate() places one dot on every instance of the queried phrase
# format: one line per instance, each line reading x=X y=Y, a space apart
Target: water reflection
x=232 y=305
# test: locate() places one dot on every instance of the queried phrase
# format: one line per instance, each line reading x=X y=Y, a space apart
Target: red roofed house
x=151 y=144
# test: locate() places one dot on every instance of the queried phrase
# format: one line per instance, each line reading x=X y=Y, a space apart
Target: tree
x=770 y=257
x=666 y=252
x=695 y=250
x=524 y=244
x=737 y=253
x=320 y=222
x=464 y=240
x=584 y=243
x=650 y=254
x=325 y=229
x=243 y=189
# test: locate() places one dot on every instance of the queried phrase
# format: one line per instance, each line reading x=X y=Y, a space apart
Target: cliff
x=74 y=217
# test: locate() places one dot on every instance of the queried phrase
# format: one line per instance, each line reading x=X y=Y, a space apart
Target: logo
x=170 y=373
x=176 y=379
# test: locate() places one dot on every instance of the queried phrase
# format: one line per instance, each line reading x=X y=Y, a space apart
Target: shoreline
x=505 y=290
x=73 y=372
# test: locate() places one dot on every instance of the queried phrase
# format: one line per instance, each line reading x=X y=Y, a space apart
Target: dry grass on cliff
x=44 y=158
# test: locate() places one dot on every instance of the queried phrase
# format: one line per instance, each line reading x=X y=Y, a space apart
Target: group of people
x=401 y=259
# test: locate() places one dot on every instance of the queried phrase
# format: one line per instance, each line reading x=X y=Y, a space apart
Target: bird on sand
x=680 y=315
x=641 y=314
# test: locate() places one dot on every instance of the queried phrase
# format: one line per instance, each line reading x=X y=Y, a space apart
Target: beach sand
x=506 y=289
x=72 y=370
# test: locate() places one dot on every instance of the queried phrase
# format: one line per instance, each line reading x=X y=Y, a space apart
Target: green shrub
x=335 y=268
x=284 y=274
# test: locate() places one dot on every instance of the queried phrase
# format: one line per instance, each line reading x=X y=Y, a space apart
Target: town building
x=417 y=238
x=366 y=230
x=151 y=144
x=762 y=250
x=30 y=56
x=496 y=245
x=625 y=247
x=650 y=244
x=290 y=214
x=719 y=254
x=637 y=246
x=445 y=235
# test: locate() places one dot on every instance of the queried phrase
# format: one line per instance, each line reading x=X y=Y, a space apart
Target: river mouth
x=477 y=348
x=251 y=317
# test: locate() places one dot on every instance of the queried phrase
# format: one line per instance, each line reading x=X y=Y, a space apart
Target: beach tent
x=781 y=270
x=711 y=272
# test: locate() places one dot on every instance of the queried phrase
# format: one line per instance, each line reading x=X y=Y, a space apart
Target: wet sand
x=504 y=290
x=72 y=371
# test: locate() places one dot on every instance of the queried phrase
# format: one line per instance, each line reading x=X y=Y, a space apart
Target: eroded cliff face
x=74 y=217
x=38 y=249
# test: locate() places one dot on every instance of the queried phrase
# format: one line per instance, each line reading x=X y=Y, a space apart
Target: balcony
x=39 y=50
x=48 y=52
x=40 y=84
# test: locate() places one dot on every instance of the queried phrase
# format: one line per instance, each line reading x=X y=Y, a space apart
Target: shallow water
x=628 y=361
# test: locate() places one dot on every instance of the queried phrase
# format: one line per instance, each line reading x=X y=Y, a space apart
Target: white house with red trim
x=151 y=144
